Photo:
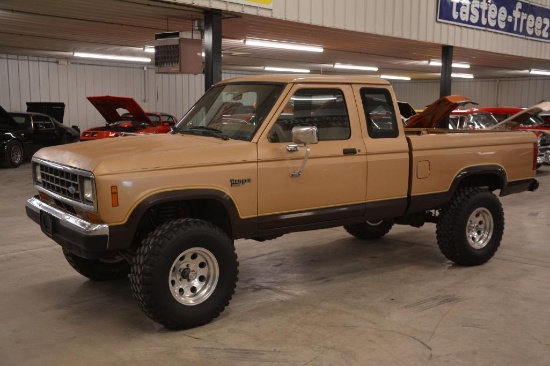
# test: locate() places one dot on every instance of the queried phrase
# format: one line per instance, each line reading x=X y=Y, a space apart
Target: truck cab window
x=379 y=113
x=324 y=108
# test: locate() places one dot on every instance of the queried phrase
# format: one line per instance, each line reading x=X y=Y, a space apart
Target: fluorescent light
x=454 y=64
x=284 y=69
x=463 y=76
x=282 y=45
x=393 y=77
x=111 y=57
x=149 y=49
x=353 y=67
x=539 y=72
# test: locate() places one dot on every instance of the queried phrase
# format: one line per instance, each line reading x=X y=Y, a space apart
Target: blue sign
x=513 y=17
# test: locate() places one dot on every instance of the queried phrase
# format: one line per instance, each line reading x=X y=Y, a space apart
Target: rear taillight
x=535 y=155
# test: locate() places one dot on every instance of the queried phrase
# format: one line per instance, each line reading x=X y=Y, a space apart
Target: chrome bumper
x=74 y=234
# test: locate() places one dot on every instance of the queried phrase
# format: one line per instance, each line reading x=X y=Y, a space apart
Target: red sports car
x=134 y=121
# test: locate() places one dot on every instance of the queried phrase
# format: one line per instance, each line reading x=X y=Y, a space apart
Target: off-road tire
x=166 y=292
x=98 y=269
x=14 y=154
x=470 y=228
x=370 y=230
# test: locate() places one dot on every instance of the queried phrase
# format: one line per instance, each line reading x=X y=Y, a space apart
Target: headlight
x=88 y=190
x=37 y=174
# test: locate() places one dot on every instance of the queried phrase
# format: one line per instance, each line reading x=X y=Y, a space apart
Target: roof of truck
x=306 y=78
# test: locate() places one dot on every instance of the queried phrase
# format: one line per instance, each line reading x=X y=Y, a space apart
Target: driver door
x=332 y=185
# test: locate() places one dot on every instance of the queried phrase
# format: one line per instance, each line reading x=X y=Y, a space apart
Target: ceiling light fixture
x=393 y=77
x=463 y=76
x=111 y=57
x=454 y=64
x=149 y=49
x=354 y=67
x=539 y=72
x=285 y=69
x=282 y=45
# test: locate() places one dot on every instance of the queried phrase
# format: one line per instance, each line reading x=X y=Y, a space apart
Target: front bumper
x=78 y=236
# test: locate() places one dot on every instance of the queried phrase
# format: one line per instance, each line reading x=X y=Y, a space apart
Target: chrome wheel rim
x=193 y=276
x=479 y=228
x=16 y=154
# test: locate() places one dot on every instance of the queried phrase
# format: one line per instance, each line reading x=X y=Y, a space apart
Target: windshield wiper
x=208 y=131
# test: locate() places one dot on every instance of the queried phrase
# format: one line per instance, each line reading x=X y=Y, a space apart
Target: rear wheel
x=470 y=227
x=370 y=230
x=185 y=273
x=98 y=269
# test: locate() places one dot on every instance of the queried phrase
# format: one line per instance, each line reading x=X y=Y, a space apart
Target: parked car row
x=24 y=133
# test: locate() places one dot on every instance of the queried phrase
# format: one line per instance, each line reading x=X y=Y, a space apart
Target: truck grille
x=64 y=184
x=61 y=182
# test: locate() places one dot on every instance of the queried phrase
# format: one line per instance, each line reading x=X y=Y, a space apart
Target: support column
x=445 y=82
x=212 y=48
x=446 y=70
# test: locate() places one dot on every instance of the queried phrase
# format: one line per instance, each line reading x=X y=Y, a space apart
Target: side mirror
x=305 y=135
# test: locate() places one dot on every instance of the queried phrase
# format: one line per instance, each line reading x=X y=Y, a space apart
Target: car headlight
x=88 y=191
x=37 y=174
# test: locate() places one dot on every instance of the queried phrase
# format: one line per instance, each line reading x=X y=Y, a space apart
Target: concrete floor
x=313 y=298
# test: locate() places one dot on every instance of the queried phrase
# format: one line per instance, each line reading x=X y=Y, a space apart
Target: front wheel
x=185 y=273
x=103 y=269
x=370 y=230
x=470 y=227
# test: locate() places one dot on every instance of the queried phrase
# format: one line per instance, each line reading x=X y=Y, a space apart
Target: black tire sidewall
x=163 y=307
x=489 y=202
x=10 y=147
x=452 y=223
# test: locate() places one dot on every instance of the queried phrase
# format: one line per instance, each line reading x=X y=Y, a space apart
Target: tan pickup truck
x=258 y=157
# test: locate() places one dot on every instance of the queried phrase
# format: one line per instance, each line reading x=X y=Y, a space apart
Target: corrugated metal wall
x=506 y=92
x=31 y=79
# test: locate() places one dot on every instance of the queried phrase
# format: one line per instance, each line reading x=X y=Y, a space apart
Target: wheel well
x=489 y=180
x=203 y=209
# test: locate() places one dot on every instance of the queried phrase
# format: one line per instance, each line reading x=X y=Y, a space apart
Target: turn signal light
x=92 y=218
x=114 y=196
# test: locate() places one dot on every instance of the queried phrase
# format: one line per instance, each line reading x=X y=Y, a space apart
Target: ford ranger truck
x=258 y=157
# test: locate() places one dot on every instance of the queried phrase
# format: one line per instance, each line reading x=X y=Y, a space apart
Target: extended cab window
x=324 y=108
x=379 y=113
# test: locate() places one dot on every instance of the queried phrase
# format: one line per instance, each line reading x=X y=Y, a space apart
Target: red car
x=529 y=119
x=134 y=121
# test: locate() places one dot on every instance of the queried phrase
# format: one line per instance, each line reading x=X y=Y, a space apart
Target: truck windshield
x=230 y=111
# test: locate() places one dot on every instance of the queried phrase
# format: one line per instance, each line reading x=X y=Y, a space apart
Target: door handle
x=350 y=151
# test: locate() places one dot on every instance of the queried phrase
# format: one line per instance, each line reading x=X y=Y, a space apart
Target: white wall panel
x=506 y=92
x=31 y=79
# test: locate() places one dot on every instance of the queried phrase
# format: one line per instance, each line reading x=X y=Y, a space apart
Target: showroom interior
x=316 y=297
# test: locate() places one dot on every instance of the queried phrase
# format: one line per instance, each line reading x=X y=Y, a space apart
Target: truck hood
x=436 y=112
x=515 y=121
x=148 y=152
x=108 y=106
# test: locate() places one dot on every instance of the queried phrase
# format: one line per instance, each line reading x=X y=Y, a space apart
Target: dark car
x=24 y=133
